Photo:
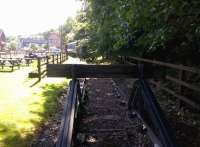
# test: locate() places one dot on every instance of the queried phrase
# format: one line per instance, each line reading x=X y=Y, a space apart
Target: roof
x=53 y=35
x=1 y=32
x=2 y=35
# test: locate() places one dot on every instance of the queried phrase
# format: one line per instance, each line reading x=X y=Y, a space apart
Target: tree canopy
x=168 y=30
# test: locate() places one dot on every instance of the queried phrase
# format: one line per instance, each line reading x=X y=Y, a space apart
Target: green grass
x=23 y=108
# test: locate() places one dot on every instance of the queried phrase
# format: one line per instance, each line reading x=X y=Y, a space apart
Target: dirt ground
x=105 y=122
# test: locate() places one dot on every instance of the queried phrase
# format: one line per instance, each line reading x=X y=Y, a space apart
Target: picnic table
x=28 y=61
x=10 y=62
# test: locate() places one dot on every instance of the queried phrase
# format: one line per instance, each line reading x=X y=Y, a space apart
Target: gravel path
x=105 y=122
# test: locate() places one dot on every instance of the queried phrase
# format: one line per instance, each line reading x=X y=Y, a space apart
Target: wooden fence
x=42 y=63
x=183 y=84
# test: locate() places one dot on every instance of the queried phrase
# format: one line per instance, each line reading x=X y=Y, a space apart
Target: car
x=31 y=55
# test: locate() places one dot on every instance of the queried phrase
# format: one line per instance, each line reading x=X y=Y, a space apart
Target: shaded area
x=185 y=122
x=105 y=122
x=12 y=136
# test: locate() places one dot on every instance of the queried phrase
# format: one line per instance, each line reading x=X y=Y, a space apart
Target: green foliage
x=46 y=46
x=66 y=29
x=168 y=30
x=33 y=47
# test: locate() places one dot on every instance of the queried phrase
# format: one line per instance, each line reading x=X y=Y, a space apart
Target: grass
x=24 y=108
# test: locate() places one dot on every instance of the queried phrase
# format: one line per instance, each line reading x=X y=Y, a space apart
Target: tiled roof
x=2 y=35
x=1 y=31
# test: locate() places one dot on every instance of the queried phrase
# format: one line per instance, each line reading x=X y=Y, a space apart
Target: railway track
x=107 y=119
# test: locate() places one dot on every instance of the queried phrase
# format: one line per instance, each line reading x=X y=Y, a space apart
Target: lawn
x=24 y=107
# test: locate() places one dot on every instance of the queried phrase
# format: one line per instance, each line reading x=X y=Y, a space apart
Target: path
x=105 y=122
x=72 y=60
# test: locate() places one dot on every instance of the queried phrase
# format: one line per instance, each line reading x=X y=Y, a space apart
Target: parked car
x=55 y=50
x=31 y=55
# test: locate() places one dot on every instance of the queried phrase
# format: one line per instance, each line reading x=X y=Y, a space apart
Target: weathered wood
x=43 y=64
x=43 y=72
x=93 y=71
x=60 y=58
x=183 y=98
x=179 y=67
x=180 y=82
x=57 y=58
x=130 y=63
x=47 y=59
x=67 y=123
x=33 y=75
x=39 y=68
x=53 y=60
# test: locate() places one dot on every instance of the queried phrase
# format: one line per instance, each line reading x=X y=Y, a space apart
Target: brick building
x=54 y=40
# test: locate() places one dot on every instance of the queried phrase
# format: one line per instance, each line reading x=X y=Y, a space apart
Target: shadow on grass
x=12 y=136
x=9 y=69
x=52 y=92
x=6 y=71
x=35 y=83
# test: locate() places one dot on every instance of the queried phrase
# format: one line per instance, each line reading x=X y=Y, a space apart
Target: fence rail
x=42 y=63
x=143 y=104
x=75 y=98
x=180 y=80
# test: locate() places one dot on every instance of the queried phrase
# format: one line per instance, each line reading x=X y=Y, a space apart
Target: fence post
x=60 y=58
x=53 y=59
x=180 y=88
x=39 y=68
x=57 y=58
x=47 y=58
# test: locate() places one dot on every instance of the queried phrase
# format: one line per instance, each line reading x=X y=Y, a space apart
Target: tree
x=46 y=46
x=33 y=47
x=13 y=46
x=66 y=29
x=165 y=30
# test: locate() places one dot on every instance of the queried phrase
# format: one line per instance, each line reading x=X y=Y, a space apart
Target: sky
x=24 y=17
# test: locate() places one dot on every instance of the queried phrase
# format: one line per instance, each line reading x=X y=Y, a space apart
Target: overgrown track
x=104 y=114
x=105 y=119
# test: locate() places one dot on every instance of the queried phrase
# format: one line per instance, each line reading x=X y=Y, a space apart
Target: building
x=54 y=40
x=2 y=40
x=27 y=41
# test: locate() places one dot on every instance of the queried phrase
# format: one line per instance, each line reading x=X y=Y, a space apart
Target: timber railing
x=143 y=104
x=69 y=124
x=142 y=101
x=172 y=74
x=42 y=63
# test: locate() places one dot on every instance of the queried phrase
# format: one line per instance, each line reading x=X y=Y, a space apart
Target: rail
x=178 y=79
x=74 y=100
x=142 y=101
x=42 y=63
